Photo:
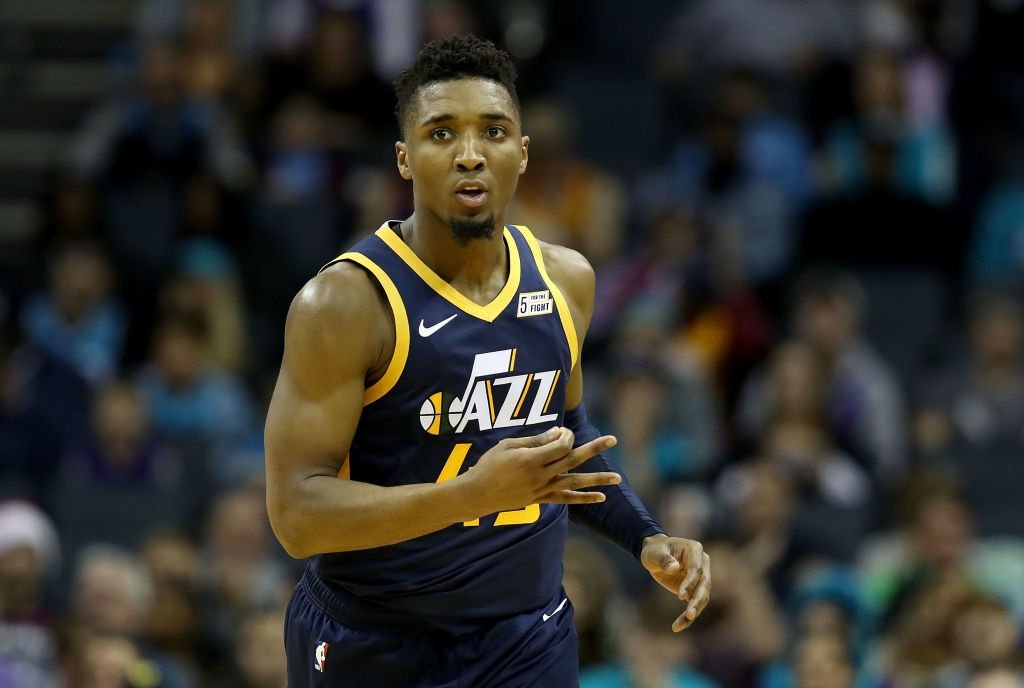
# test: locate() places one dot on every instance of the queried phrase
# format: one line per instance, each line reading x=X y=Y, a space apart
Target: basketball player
x=426 y=442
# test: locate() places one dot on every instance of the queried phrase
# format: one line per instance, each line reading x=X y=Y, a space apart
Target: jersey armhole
x=564 y=314
x=401 y=354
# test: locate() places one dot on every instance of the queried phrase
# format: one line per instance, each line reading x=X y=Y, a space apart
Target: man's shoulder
x=342 y=294
x=342 y=304
x=570 y=270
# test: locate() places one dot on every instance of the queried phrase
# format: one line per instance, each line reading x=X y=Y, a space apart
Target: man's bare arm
x=338 y=331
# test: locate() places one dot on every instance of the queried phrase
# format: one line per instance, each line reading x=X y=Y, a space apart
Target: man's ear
x=402 y=159
x=526 y=154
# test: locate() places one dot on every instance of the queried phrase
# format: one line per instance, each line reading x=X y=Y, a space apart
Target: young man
x=426 y=441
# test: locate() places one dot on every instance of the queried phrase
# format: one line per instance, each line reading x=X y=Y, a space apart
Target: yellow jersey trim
x=488 y=312
x=560 y=303
x=401 y=354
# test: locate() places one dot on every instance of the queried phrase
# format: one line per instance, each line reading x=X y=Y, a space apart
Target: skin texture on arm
x=679 y=565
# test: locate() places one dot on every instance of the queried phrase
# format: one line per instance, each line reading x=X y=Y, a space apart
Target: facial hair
x=465 y=229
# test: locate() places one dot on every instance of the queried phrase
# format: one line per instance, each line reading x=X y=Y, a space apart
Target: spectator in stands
x=123 y=467
x=591 y=583
x=76 y=320
x=29 y=561
x=112 y=592
x=43 y=404
x=207 y=285
x=156 y=132
x=111 y=660
x=180 y=624
x=297 y=220
x=171 y=557
x=337 y=72
x=784 y=42
x=174 y=628
x=649 y=656
x=864 y=406
x=658 y=403
x=29 y=558
x=669 y=262
x=122 y=448
x=565 y=199
x=924 y=164
x=720 y=323
x=889 y=183
x=995 y=256
x=971 y=410
x=823 y=661
x=258 y=651
x=447 y=18
x=985 y=639
x=745 y=630
x=113 y=596
x=241 y=565
x=211 y=65
x=866 y=400
x=71 y=213
x=826 y=607
x=188 y=396
x=747 y=176
x=780 y=524
x=141 y=149
x=918 y=575
x=978 y=399
x=917 y=644
x=233 y=25
x=796 y=435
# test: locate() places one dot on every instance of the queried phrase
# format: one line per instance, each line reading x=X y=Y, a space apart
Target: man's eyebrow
x=445 y=117
x=437 y=119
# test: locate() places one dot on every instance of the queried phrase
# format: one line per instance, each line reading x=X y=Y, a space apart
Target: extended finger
x=547 y=437
x=701 y=596
x=694 y=562
x=572 y=497
x=579 y=481
x=700 y=600
x=583 y=453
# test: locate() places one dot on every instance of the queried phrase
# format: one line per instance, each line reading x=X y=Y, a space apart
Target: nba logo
x=321 y=655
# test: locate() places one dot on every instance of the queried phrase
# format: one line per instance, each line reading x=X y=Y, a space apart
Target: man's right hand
x=519 y=471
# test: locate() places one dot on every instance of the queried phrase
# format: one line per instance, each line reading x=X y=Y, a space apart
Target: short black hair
x=447 y=59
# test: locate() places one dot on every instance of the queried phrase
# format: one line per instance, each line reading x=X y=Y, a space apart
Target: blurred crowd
x=807 y=221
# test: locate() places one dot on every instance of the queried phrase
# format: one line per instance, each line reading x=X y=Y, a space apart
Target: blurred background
x=807 y=220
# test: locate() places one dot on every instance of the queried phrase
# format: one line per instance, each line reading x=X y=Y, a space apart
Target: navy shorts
x=333 y=643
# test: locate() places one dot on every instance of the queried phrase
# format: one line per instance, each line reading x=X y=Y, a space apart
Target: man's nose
x=469 y=156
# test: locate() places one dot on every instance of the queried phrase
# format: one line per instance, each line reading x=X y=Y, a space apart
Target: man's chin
x=466 y=228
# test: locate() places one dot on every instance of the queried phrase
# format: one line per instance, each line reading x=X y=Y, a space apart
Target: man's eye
x=495 y=132
x=441 y=134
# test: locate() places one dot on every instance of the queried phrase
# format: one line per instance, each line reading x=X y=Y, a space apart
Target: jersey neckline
x=487 y=312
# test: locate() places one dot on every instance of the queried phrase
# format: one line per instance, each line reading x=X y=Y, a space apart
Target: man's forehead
x=468 y=96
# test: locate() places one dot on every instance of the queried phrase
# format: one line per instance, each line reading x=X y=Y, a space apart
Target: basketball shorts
x=334 y=642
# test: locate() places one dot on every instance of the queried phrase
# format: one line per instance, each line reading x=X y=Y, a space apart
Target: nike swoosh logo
x=427 y=331
x=545 y=617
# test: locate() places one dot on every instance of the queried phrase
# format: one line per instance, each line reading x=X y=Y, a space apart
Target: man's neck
x=478 y=268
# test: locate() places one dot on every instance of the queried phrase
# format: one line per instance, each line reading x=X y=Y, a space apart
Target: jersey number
x=505 y=518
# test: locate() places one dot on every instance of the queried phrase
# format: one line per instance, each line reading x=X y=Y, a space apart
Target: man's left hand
x=682 y=567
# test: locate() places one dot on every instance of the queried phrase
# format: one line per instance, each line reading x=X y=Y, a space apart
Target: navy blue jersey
x=463 y=376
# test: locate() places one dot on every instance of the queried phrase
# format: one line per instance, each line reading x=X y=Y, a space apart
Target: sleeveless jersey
x=463 y=376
